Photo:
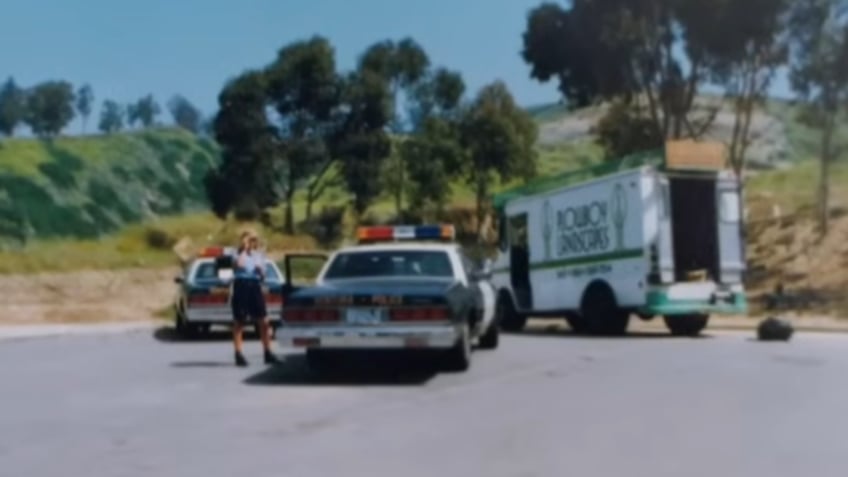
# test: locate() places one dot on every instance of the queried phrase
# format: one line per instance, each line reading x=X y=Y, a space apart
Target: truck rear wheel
x=601 y=312
x=507 y=317
x=686 y=325
x=577 y=323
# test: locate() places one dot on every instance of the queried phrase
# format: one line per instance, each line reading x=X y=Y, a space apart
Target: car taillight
x=300 y=315
x=424 y=313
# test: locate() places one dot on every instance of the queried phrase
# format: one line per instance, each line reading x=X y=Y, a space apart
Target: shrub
x=158 y=239
x=327 y=226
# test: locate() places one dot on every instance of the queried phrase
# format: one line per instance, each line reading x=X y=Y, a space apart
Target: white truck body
x=641 y=232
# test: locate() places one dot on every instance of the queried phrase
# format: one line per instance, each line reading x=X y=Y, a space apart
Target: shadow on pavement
x=168 y=334
x=558 y=332
x=361 y=370
x=203 y=364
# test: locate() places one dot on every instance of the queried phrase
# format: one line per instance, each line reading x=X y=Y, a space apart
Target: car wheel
x=602 y=314
x=686 y=325
x=184 y=329
x=507 y=317
x=459 y=357
x=490 y=339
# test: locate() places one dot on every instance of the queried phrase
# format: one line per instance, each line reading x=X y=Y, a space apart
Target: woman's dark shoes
x=240 y=361
x=270 y=358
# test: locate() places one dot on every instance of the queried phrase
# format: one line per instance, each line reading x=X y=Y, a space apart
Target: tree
x=304 y=90
x=359 y=138
x=12 y=107
x=439 y=94
x=499 y=139
x=185 y=114
x=85 y=101
x=143 y=111
x=433 y=157
x=746 y=54
x=623 y=130
x=651 y=55
x=111 y=117
x=50 y=107
x=246 y=180
x=820 y=77
x=402 y=65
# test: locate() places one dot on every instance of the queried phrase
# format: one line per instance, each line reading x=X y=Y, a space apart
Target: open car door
x=301 y=270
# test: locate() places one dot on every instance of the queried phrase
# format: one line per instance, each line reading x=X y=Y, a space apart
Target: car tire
x=183 y=328
x=686 y=325
x=491 y=337
x=459 y=357
x=601 y=311
x=507 y=317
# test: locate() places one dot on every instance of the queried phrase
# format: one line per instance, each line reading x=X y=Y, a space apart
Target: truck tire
x=601 y=312
x=491 y=337
x=458 y=358
x=507 y=317
x=578 y=324
x=686 y=325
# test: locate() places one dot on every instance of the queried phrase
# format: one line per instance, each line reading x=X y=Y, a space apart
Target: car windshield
x=390 y=263
x=207 y=271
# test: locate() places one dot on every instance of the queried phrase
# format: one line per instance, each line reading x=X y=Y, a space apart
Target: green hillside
x=88 y=186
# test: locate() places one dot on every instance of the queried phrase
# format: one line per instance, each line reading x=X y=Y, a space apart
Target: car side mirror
x=179 y=280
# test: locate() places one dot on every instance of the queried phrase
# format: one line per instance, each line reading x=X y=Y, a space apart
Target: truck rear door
x=731 y=239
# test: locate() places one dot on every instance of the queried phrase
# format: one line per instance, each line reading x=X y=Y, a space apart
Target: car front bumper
x=361 y=337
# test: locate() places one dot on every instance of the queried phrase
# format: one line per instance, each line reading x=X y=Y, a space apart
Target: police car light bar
x=215 y=251
x=406 y=232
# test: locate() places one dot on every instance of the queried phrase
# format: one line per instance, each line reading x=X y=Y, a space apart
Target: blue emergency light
x=406 y=232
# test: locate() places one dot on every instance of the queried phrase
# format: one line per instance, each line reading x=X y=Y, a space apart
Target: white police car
x=393 y=290
x=203 y=299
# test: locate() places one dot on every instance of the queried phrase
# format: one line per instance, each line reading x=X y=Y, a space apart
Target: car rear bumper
x=220 y=316
x=388 y=337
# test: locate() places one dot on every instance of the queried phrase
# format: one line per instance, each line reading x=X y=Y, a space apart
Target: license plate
x=219 y=291
x=363 y=316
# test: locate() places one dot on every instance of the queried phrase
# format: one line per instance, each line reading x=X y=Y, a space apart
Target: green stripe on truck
x=658 y=303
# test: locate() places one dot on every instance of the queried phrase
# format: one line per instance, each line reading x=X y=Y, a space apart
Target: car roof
x=401 y=246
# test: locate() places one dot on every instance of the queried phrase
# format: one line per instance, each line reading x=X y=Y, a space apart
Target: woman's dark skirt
x=248 y=302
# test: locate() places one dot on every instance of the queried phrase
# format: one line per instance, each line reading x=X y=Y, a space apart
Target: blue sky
x=126 y=49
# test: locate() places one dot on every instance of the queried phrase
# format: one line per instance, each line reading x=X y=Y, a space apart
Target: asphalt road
x=541 y=405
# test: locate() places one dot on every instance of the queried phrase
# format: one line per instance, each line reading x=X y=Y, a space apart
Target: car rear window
x=406 y=263
x=207 y=271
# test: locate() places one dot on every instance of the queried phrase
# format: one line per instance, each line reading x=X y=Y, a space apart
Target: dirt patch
x=792 y=267
x=86 y=296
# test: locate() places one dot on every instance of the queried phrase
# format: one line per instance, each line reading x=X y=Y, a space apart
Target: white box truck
x=663 y=238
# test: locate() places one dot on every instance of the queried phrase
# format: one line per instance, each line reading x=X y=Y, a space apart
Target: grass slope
x=107 y=191
x=86 y=187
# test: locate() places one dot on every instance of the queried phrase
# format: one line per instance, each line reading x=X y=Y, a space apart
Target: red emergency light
x=406 y=232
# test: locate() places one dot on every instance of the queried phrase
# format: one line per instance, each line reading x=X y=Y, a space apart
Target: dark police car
x=392 y=291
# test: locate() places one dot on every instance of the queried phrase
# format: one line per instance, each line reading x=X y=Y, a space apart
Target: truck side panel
x=586 y=233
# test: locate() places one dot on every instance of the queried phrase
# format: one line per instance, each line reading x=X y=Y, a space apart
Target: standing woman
x=248 y=302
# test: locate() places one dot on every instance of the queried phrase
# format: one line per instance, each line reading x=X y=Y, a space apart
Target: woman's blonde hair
x=246 y=234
